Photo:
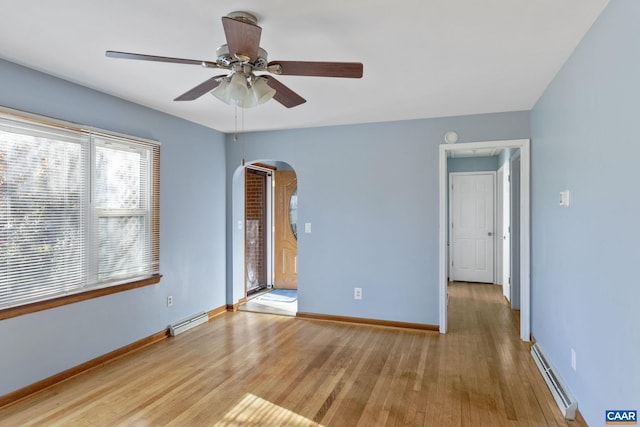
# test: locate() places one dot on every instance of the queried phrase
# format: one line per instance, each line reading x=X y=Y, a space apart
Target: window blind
x=78 y=211
x=122 y=199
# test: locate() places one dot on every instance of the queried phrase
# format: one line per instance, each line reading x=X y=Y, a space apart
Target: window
x=79 y=211
x=122 y=194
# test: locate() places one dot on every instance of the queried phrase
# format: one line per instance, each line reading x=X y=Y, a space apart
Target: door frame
x=450 y=207
x=268 y=236
x=503 y=226
x=525 y=231
x=514 y=194
x=499 y=224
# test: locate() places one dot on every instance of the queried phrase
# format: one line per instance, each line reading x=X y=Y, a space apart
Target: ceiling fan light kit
x=243 y=56
x=243 y=91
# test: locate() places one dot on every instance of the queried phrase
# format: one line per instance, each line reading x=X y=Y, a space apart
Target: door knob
x=490 y=234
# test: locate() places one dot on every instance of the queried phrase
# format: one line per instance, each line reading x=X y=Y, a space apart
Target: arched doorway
x=266 y=195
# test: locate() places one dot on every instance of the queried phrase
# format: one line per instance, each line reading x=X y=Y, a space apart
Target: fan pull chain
x=242 y=140
x=235 y=123
x=235 y=133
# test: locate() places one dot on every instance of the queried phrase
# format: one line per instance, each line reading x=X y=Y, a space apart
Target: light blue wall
x=507 y=154
x=473 y=164
x=370 y=192
x=371 y=195
x=585 y=286
x=192 y=235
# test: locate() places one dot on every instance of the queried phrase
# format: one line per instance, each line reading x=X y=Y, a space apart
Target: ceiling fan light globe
x=222 y=91
x=262 y=91
x=249 y=101
x=238 y=89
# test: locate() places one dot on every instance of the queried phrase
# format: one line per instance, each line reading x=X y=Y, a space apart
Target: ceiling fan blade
x=284 y=95
x=201 y=89
x=319 y=69
x=243 y=38
x=143 y=57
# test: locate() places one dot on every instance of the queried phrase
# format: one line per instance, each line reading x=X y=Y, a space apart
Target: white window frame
x=93 y=286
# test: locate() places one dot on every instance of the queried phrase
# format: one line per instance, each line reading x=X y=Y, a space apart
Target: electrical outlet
x=169 y=301
x=573 y=359
x=357 y=293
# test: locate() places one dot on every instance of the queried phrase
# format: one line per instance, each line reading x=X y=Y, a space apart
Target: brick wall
x=255 y=212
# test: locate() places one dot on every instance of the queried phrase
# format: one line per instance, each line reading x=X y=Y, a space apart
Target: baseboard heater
x=565 y=401
x=186 y=324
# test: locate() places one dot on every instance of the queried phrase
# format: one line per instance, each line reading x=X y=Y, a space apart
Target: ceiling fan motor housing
x=246 y=17
x=224 y=57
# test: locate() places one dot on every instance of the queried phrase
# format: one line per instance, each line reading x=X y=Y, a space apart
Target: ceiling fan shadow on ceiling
x=243 y=57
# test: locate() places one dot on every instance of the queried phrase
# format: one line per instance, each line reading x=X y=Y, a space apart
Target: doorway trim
x=236 y=261
x=499 y=221
x=267 y=172
x=525 y=231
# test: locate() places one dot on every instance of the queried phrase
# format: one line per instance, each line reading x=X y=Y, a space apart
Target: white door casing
x=505 y=232
x=515 y=206
x=472 y=226
x=524 y=232
x=499 y=203
x=503 y=229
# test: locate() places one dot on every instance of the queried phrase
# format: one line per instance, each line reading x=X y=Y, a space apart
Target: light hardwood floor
x=252 y=369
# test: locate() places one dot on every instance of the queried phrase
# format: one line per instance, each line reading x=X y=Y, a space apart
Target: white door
x=472 y=226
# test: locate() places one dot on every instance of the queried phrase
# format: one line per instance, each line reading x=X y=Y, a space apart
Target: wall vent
x=565 y=401
x=186 y=324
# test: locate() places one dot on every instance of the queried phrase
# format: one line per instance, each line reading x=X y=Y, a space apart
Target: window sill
x=8 y=313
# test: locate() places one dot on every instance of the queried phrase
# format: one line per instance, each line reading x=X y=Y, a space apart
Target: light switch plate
x=564 y=198
x=307 y=227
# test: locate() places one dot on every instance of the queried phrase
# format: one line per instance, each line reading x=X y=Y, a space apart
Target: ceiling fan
x=243 y=56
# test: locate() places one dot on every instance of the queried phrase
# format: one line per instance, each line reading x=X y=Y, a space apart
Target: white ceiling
x=422 y=58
